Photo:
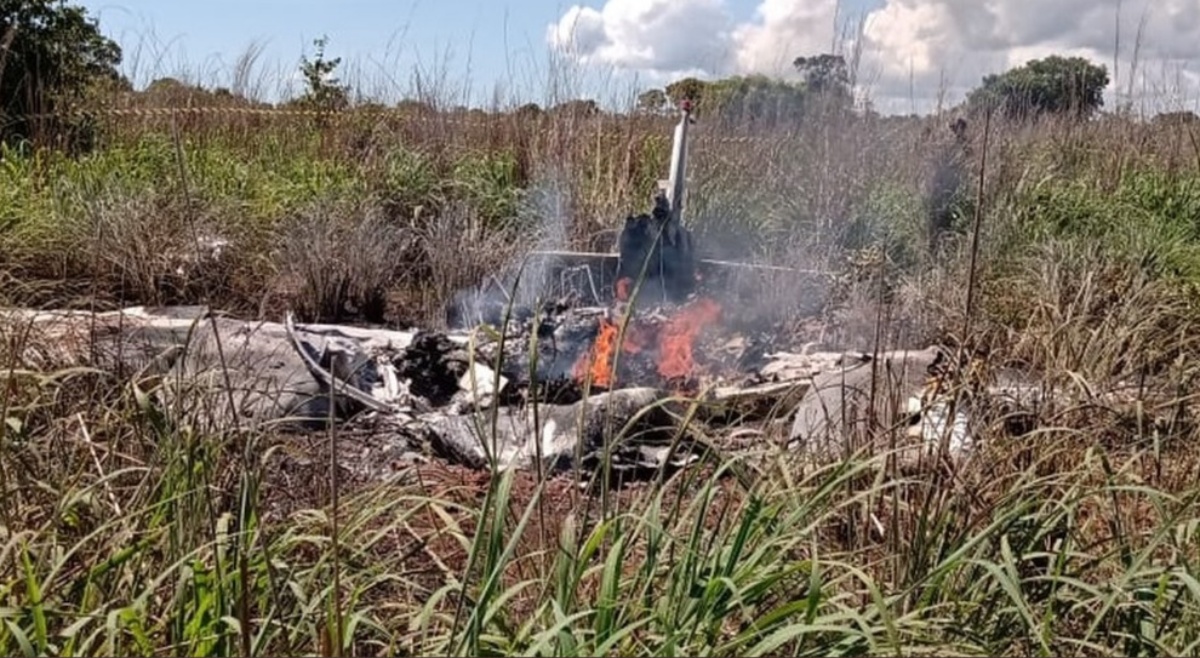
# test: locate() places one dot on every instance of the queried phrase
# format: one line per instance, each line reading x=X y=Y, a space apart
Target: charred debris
x=597 y=373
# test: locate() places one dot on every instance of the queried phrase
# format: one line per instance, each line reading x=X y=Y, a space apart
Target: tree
x=529 y=112
x=690 y=89
x=1056 y=85
x=324 y=91
x=756 y=99
x=762 y=100
x=824 y=74
x=826 y=78
x=51 y=56
x=577 y=109
x=1182 y=118
x=171 y=92
x=653 y=101
x=415 y=107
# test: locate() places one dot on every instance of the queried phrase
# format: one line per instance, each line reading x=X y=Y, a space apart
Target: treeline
x=55 y=58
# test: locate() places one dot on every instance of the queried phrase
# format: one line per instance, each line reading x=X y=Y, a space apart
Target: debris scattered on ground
x=581 y=389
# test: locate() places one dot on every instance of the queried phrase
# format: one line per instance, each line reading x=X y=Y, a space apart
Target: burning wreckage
x=601 y=377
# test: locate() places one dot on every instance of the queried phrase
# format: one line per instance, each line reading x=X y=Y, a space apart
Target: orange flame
x=677 y=340
x=598 y=362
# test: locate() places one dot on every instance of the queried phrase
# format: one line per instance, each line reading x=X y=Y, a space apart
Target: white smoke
x=912 y=51
x=546 y=214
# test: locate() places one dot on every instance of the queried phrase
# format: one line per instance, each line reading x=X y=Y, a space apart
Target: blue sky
x=383 y=42
x=915 y=53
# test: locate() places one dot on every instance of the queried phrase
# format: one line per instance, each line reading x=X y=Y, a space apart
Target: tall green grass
x=127 y=529
x=162 y=541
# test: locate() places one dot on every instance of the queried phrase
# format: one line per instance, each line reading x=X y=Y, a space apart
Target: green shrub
x=1149 y=218
x=490 y=183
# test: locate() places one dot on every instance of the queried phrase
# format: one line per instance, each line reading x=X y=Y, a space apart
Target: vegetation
x=130 y=529
x=761 y=100
x=51 y=56
x=1070 y=86
x=323 y=91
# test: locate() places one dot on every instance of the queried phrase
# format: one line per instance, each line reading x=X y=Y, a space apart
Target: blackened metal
x=429 y=364
x=662 y=249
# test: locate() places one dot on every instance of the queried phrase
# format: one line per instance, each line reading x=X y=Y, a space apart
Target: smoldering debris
x=625 y=428
x=546 y=214
x=579 y=368
x=522 y=398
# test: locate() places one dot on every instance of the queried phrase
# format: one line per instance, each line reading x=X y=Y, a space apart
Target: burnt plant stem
x=972 y=273
x=335 y=546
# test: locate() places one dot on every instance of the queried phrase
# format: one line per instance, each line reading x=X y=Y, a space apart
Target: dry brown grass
x=1076 y=537
x=798 y=195
x=341 y=261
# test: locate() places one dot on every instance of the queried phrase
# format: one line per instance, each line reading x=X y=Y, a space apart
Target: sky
x=913 y=54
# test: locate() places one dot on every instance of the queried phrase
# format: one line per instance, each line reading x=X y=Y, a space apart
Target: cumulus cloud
x=658 y=36
x=911 y=50
x=783 y=30
x=914 y=46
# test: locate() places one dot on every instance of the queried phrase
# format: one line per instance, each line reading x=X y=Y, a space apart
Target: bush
x=53 y=57
x=341 y=258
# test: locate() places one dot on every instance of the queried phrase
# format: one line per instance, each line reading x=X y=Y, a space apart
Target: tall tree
x=824 y=73
x=51 y=55
x=1055 y=85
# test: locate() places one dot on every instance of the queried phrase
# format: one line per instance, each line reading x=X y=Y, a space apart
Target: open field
x=129 y=528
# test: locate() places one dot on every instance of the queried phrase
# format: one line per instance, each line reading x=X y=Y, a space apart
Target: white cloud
x=783 y=30
x=648 y=35
x=912 y=50
x=927 y=46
